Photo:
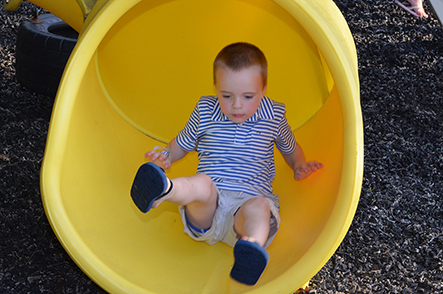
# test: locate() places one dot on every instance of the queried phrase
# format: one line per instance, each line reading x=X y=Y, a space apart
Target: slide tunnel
x=133 y=79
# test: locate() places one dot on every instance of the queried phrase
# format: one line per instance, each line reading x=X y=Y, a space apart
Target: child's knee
x=257 y=204
x=204 y=179
x=205 y=186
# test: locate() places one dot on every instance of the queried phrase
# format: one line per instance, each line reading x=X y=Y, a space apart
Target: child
x=230 y=198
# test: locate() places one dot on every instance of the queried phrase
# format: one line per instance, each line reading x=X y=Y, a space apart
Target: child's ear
x=264 y=89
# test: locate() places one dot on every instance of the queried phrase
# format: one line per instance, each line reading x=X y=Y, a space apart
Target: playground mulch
x=395 y=243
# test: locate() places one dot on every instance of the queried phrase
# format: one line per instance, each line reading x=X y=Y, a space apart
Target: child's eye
x=226 y=96
x=249 y=96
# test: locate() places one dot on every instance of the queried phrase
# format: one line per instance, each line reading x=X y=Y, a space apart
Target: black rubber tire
x=42 y=51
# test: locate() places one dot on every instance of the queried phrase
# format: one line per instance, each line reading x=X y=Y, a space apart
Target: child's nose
x=237 y=103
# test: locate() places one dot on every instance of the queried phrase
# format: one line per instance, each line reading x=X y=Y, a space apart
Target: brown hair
x=241 y=55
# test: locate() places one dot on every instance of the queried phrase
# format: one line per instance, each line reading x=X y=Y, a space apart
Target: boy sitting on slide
x=230 y=199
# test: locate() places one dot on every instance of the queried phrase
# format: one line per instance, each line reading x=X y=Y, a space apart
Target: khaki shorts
x=222 y=228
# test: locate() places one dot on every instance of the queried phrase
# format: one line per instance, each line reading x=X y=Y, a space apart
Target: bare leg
x=418 y=7
x=252 y=220
x=252 y=223
x=198 y=193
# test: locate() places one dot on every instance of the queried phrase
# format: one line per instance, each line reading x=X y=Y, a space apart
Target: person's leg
x=198 y=193
x=251 y=221
x=417 y=5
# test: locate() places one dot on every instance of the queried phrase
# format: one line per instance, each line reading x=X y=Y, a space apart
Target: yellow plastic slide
x=131 y=83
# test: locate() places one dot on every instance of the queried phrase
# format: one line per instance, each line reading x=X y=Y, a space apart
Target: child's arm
x=164 y=161
x=297 y=161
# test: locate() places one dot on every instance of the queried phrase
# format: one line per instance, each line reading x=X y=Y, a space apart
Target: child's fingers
x=152 y=155
x=297 y=175
x=314 y=165
x=307 y=169
x=300 y=173
x=318 y=164
x=163 y=157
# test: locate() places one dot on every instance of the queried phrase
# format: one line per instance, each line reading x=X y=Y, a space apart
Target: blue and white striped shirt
x=238 y=157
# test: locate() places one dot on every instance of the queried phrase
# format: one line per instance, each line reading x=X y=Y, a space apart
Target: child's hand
x=159 y=158
x=304 y=170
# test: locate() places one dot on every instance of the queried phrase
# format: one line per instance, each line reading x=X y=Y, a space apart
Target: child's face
x=239 y=92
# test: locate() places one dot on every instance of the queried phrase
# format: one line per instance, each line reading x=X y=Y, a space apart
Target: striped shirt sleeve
x=285 y=140
x=187 y=138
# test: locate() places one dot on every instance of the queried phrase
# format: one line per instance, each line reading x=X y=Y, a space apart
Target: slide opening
x=138 y=90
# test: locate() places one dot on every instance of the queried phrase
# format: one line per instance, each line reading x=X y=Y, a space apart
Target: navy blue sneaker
x=251 y=260
x=150 y=184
